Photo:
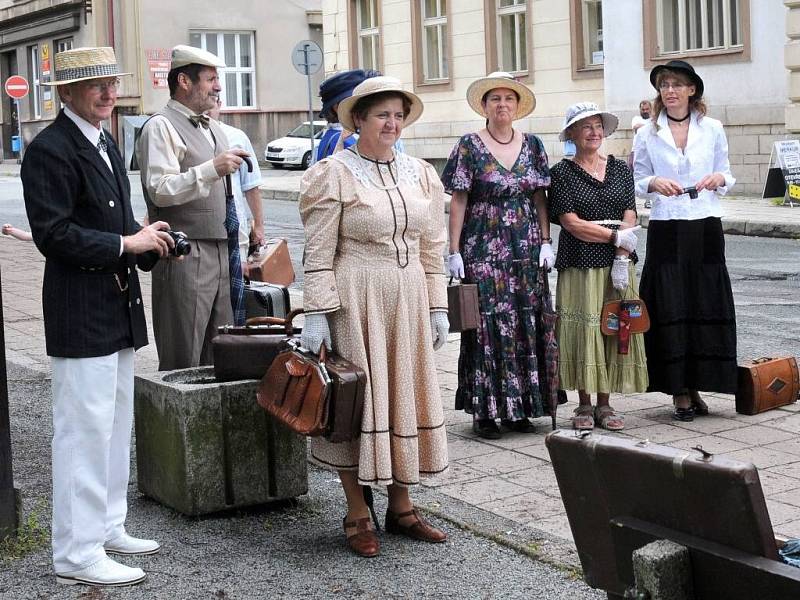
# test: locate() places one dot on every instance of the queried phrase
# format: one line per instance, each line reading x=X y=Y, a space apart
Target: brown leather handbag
x=272 y=263
x=767 y=383
x=295 y=391
x=247 y=352
x=639 y=318
x=463 y=310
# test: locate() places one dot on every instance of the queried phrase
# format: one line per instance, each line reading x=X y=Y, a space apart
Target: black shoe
x=486 y=428
x=683 y=414
x=522 y=426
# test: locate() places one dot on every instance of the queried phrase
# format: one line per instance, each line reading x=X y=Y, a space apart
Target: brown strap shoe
x=363 y=542
x=420 y=529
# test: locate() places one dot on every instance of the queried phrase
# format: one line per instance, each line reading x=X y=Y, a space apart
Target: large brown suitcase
x=604 y=478
x=767 y=383
x=346 y=403
x=272 y=263
x=247 y=352
x=463 y=310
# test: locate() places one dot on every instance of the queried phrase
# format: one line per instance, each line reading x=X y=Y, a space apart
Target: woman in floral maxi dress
x=499 y=239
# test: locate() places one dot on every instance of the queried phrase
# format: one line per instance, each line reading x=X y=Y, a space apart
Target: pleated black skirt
x=691 y=344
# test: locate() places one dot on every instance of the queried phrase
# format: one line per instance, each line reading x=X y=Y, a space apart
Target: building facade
x=262 y=92
x=569 y=51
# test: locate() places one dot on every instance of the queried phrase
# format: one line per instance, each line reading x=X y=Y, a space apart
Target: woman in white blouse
x=682 y=167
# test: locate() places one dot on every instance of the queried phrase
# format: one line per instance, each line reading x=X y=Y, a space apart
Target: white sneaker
x=126 y=544
x=104 y=572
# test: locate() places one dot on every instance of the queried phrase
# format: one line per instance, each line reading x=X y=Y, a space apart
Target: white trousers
x=92 y=420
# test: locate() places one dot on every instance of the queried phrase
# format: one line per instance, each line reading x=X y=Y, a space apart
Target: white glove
x=455 y=265
x=440 y=326
x=626 y=238
x=619 y=273
x=315 y=331
x=546 y=257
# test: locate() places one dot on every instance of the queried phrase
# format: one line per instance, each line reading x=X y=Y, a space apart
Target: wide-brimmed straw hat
x=376 y=85
x=500 y=79
x=582 y=110
x=682 y=67
x=80 y=64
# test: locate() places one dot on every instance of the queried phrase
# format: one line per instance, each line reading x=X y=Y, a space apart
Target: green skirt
x=588 y=360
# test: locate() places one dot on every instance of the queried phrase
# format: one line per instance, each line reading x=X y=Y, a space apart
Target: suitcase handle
x=287 y=322
x=763 y=359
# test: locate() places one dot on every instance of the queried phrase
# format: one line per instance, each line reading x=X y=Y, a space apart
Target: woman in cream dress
x=375 y=292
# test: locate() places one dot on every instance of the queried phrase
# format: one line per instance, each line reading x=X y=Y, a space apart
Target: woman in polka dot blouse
x=592 y=197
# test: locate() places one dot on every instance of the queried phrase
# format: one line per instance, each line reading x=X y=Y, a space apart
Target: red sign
x=17 y=87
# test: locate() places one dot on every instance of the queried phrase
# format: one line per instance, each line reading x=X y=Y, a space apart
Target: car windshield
x=303 y=130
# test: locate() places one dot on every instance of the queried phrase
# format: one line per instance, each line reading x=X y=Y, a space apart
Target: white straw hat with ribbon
x=582 y=110
x=500 y=79
x=376 y=85
x=80 y=64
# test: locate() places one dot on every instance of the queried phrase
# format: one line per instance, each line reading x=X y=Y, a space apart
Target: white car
x=294 y=149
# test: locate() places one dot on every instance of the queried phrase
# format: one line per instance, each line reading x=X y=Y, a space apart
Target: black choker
x=489 y=131
x=671 y=118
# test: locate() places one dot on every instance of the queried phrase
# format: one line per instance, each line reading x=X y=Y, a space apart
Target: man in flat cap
x=184 y=157
x=77 y=196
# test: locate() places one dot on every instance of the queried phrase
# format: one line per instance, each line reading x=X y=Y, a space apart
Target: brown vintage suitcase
x=463 y=310
x=247 y=352
x=272 y=263
x=767 y=383
x=604 y=478
x=348 y=383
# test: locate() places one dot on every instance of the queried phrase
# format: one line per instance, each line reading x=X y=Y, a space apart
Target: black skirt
x=691 y=344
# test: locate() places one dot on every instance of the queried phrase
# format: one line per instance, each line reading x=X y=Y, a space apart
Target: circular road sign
x=307 y=57
x=17 y=87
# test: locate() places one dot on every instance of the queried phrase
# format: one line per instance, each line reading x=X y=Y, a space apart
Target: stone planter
x=204 y=446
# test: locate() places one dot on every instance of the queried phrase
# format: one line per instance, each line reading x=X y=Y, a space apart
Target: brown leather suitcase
x=463 y=310
x=767 y=383
x=348 y=383
x=247 y=352
x=604 y=479
x=272 y=263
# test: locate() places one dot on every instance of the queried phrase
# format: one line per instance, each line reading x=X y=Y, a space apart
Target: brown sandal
x=605 y=417
x=364 y=541
x=583 y=417
x=420 y=529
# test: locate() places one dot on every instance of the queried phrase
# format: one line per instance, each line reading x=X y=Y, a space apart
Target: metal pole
x=310 y=109
x=19 y=131
x=8 y=504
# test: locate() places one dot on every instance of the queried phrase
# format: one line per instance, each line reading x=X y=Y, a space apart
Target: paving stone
x=527 y=508
x=662 y=434
x=779 y=512
x=775 y=483
x=540 y=478
x=791 y=529
x=787 y=422
x=710 y=424
x=557 y=525
x=457 y=473
x=485 y=490
x=789 y=470
x=462 y=448
x=756 y=435
x=764 y=457
x=537 y=450
x=791 y=497
x=710 y=443
x=790 y=445
x=501 y=462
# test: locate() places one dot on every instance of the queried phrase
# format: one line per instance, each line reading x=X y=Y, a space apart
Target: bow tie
x=199 y=120
x=102 y=144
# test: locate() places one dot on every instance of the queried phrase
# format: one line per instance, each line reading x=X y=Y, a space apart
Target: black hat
x=340 y=86
x=683 y=67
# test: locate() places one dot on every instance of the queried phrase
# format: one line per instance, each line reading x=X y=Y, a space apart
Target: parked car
x=294 y=149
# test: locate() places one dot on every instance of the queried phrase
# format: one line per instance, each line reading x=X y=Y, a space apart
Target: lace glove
x=626 y=238
x=619 y=273
x=315 y=332
x=455 y=265
x=546 y=257
x=440 y=326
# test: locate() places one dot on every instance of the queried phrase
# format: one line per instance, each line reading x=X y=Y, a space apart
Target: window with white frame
x=238 y=78
x=368 y=29
x=434 y=39
x=35 y=75
x=696 y=25
x=63 y=44
x=512 y=38
x=592 y=23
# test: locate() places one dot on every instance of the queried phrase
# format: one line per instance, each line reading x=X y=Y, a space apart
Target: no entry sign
x=17 y=87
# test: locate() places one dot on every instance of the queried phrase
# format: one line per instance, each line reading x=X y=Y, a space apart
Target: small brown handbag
x=295 y=391
x=463 y=310
x=639 y=317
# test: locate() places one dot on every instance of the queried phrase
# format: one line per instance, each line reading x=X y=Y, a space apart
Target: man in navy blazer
x=77 y=197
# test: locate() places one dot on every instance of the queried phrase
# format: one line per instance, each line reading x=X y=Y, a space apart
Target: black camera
x=182 y=245
x=692 y=191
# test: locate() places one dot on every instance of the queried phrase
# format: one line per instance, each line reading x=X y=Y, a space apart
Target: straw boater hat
x=582 y=110
x=376 y=85
x=500 y=79
x=189 y=55
x=80 y=64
